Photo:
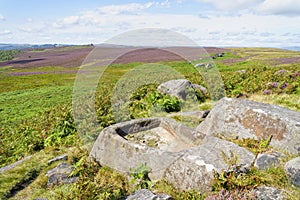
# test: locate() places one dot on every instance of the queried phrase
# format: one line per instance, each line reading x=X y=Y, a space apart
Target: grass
x=16 y=106
x=35 y=119
x=23 y=174
x=290 y=101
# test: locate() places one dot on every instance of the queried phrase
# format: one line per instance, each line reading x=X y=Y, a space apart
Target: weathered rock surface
x=200 y=88
x=180 y=159
x=194 y=170
x=269 y=193
x=114 y=150
x=13 y=165
x=196 y=114
x=60 y=175
x=249 y=119
x=179 y=88
x=265 y=161
x=61 y=157
x=145 y=194
x=292 y=170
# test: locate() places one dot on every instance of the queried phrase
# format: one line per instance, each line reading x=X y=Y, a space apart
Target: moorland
x=36 y=118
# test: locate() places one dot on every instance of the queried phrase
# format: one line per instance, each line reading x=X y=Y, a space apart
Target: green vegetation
x=239 y=183
x=36 y=119
x=6 y=55
x=140 y=177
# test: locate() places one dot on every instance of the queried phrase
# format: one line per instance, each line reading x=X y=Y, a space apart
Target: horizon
x=248 y=23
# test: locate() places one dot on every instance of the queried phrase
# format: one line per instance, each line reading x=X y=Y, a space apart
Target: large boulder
x=179 y=88
x=194 y=170
x=158 y=142
x=292 y=170
x=249 y=119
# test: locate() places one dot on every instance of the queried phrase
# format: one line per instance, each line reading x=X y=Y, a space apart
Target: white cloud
x=26 y=29
x=71 y=20
x=29 y=20
x=280 y=7
x=2 y=18
x=124 y=9
x=230 y=5
x=5 y=32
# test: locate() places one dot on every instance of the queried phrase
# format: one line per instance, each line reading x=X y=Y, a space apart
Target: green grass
x=25 y=172
x=20 y=105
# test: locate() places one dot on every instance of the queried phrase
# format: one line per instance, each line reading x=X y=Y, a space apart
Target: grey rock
x=243 y=71
x=61 y=157
x=249 y=119
x=221 y=54
x=177 y=88
x=199 y=65
x=60 y=175
x=178 y=157
x=194 y=170
x=209 y=65
x=269 y=193
x=13 y=165
x=292 y=170
x=145 y=194
x=199 y=88
x=265 y=161
x=197 y=114
x=113 y=147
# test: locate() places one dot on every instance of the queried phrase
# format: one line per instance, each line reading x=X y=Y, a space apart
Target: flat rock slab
x=13 y=165
x=60 y=175
x=249 y=119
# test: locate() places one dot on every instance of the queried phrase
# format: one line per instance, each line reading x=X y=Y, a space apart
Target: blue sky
x=270 y=23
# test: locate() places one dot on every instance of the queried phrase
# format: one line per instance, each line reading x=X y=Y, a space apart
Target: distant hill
x=294 y=48
x=29 y=46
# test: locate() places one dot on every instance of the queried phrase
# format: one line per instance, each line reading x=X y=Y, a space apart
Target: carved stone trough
x=158 y=142
x=173 y=151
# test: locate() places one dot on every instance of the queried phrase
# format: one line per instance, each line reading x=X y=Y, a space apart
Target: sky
x=260 y=23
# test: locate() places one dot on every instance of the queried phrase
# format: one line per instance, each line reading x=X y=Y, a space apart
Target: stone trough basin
x=173 y=151
x=158 y=142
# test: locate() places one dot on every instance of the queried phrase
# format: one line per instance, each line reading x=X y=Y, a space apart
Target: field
x=36 y=117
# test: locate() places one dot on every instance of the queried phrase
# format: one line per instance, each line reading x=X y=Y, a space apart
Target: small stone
x=60 y=175
x=61 y=157
x=265 y=161
x=243 y=71
x=269 y=193
x=292 y=170
x=145 y=194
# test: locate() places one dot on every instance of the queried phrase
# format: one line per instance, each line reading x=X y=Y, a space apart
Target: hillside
x=36 y=116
